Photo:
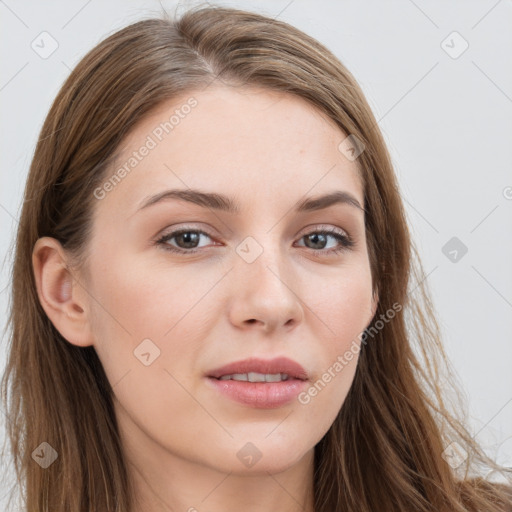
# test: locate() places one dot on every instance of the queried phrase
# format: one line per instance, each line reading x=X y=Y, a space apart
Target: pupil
x=186 y=236
x=315 y=237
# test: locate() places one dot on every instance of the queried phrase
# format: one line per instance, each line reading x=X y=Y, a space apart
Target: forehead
x=252 y=142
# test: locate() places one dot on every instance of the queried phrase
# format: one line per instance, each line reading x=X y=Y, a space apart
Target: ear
x=61 y=296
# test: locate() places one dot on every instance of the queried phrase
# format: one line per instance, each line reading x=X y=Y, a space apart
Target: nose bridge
x=262 y=254
x=262 y=262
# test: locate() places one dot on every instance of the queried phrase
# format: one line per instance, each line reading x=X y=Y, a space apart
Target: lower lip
x=262 y=395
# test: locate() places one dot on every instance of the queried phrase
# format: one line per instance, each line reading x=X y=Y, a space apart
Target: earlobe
x=59 y=292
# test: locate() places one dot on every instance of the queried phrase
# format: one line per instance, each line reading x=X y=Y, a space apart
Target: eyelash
x=345 y=240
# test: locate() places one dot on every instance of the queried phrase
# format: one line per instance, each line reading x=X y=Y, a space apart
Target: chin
x=261 y=456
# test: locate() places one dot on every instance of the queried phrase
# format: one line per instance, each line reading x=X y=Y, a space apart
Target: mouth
x=261 y=370
x=258 y=383
x=256 y=377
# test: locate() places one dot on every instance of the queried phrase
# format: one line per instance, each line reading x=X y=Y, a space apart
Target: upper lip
x=271 y=366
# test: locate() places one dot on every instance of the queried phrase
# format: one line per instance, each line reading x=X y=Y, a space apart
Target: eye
x=188 y=239
x=343 y=241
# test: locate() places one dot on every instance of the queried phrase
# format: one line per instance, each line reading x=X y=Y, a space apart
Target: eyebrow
x=224 y=203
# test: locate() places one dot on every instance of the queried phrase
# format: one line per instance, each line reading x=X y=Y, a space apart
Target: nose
x=266 y=293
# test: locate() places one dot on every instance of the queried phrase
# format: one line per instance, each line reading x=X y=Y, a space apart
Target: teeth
x=239 y=376
x=256 y=377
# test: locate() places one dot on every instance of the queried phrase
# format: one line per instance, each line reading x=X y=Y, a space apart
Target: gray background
x=446 y=115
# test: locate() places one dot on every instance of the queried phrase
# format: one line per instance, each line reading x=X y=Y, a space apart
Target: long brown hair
x=385 y=449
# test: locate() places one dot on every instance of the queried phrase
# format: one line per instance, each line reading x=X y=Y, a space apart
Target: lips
x=260 y=383
x=279 y=365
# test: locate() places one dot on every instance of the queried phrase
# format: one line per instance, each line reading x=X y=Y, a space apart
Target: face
x=179 y=289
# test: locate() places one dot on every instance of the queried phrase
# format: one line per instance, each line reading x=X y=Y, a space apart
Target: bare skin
x=184 y=440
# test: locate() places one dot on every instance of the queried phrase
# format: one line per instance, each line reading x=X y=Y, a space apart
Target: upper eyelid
x=332 y=230
x=307 y=230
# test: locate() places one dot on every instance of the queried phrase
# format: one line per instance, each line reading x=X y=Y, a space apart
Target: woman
x=270 y=368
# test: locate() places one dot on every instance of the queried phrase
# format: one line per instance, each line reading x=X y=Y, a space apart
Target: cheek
x=134 y=297
x=343 y=304
x=127 y=307
x=144 y=315
x=134 y=300
x=343 y=307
